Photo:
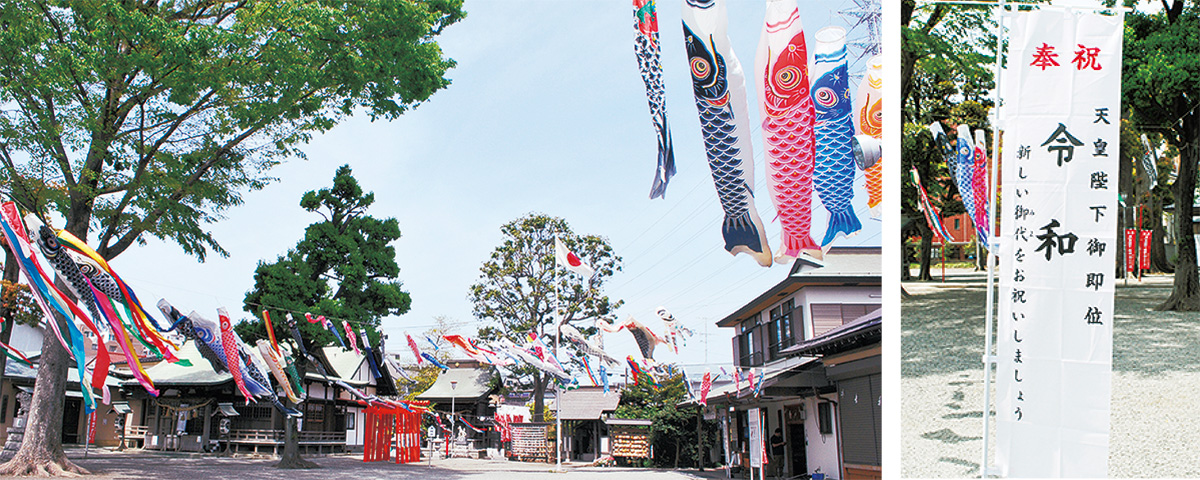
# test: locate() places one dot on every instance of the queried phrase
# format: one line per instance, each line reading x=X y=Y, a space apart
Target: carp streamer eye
x=699 y=68
x=877 y=118
x=788 y=78
x=825 y=97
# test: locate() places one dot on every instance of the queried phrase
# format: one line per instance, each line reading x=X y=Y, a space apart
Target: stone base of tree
x=295 y=463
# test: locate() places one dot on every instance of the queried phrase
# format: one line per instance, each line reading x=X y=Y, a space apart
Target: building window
x=828 y=316
x=780 y=329
x=825 y=417
x=956 y=224
x=750 y=343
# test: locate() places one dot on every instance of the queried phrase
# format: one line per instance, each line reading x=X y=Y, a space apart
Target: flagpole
x=557 y=389
x=989 y=360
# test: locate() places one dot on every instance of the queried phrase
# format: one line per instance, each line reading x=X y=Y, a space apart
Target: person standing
x=777 y=445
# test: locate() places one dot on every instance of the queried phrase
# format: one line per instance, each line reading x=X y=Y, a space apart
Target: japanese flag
x=567 y=259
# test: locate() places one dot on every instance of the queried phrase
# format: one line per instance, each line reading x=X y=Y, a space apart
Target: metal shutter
x=859 y=419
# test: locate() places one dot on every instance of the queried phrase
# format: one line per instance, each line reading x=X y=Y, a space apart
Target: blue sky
x=547 y=113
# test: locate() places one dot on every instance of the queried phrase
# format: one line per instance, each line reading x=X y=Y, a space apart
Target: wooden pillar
x=207 y=426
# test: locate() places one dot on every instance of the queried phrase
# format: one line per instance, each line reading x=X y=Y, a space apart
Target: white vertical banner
x=1058 y=225
x=756 y=437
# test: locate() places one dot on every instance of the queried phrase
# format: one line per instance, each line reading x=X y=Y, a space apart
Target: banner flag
x=1059 y=243
x=1144 y=246
x=1130 y=249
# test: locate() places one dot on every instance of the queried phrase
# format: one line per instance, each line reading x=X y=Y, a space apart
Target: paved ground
x=1156 y=381
x=105 y=464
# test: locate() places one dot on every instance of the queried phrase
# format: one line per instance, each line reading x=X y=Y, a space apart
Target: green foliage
x=672 y=425
x=135 y=117
x=1160 y=71
x=1160 y=84
x=947 y=54
x=344 y=268
x=519 y=285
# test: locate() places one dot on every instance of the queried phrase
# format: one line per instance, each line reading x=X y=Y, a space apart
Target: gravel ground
x=1156 y=380
x=136 y=464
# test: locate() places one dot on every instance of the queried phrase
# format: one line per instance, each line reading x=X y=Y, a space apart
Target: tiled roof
x=588 y=403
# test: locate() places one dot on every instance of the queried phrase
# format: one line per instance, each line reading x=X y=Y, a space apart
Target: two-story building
x=813 y=344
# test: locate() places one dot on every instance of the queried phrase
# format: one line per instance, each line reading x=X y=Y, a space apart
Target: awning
x=227 y=409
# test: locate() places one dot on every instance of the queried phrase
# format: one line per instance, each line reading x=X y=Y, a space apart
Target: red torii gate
x=388 y=427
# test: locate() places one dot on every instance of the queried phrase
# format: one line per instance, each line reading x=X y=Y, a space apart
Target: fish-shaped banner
x=833 y=130
x=705 y=387
x=231 y=349
x=646 y=338
x=649 y=59
x=932 y=216
x=720 y=90
x=676 y=333
x=413 y=345
x=350 y=335
x=965 y=170
x=586 y=346
x=786 y=109
x=979 y=187
x=868 y=120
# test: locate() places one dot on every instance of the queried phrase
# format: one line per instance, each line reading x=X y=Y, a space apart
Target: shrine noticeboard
x=1058 y=243
x=756 y=437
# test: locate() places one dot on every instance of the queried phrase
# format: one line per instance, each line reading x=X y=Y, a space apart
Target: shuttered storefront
x=860 y=421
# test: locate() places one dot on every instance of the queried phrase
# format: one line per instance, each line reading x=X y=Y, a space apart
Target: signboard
x=1059 y=245
x=1145 y=249
x=91 y=428
x=1130 y=249
x=756 y=438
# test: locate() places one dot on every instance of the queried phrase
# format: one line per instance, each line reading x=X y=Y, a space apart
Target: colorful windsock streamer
x=932 y=216
x=350 y=335
x=965 y=172
x=186 y=328
x=646 y=339
x=585 y=346
x=676 y=333
x=720 y=90
x=833 y=131
x=705 y=387
x=413 y=345
x=649 y=59
x=232 y=358
x=786 y=109
x=868 y=120
x=271 y=333
x=370 y=353
x=979 y=187
x=434 y=361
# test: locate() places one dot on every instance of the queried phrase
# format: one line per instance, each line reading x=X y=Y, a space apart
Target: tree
x=1159 y=85
x=344 y=268
x=673 y=426
x=520 y=285
x=145 y=117
x=947 y=53
x=424 y=374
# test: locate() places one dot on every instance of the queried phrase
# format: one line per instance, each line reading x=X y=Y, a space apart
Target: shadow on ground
x=942 y=332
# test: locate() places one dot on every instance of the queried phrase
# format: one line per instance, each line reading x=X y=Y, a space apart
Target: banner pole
x=988 y=359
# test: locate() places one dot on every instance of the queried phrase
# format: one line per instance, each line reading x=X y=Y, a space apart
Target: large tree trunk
x=11 y=275
x=925 y=252
x=41 y=451
x=539 y=396
x=1158 y=249
x=291 y=448
x=291 y=458
x=1186 y=294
